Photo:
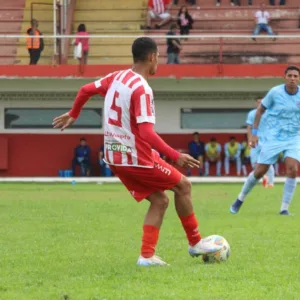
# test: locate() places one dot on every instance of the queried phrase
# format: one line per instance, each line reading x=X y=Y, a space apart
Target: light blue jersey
x=281 y=126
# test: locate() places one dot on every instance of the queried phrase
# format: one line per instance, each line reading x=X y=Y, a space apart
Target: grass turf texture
x=63 y=241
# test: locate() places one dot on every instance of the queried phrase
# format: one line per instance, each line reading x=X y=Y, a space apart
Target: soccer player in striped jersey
x=129 y=137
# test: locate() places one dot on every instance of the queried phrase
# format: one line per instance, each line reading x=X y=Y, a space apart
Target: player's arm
x=226 y=150
x=254 y=131
x=249 y=133
x=84 y=94
x=238 y=151
x=206 y=150
x=218 y=154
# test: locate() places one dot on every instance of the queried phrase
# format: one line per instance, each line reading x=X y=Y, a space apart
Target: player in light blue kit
x=268 y=179
x=282 y=126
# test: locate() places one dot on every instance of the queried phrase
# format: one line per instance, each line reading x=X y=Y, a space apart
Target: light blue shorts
x=254 y=153
x=270 y=151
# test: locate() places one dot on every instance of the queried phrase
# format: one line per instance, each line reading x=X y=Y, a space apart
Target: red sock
x=190 y=225
x=149 y=240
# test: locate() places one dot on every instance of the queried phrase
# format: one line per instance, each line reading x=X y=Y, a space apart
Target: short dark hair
x=142 y=47
x=81 y=28
x=292 y=68
x=259 y=97
x=196 y=132
x=213 y=139
x=232 y=138
x=82 y=139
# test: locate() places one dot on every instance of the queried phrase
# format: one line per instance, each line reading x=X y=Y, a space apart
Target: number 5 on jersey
x=118 y=110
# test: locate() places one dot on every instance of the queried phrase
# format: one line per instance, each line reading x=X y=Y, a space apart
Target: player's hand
x=254 y=141
x=186 y=161
x=63 y=121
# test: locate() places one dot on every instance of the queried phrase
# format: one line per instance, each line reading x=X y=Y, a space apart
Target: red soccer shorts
x=142 y=182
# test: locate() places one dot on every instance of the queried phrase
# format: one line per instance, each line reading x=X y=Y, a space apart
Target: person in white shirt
x=262 y=18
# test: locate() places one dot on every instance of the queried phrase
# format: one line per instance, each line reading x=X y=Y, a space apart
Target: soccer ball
x=221 y=255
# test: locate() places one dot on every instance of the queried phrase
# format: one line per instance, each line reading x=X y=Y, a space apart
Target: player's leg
x=166 y=18
x=152 y=223
x=218 y=166
x=185 y=212
x=291 y=165
x=238 y=165
x=226 y=165
x=252 y=180
x=271 y=175
x=207 y=165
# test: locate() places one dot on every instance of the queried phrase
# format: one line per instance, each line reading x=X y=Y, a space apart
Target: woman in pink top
x=185 y=21
x=84 y=42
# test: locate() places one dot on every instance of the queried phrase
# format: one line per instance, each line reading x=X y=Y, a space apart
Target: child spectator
x=185 y=21
x=81 y=31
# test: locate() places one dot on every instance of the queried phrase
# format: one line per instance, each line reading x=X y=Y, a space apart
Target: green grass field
x=63 y=241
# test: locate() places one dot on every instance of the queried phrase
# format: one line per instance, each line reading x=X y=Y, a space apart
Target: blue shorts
x=254 y=153
x=270 y=151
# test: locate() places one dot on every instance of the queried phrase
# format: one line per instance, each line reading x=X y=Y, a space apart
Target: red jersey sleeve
x=150 y=3
x=87 y=91
x=143 y=103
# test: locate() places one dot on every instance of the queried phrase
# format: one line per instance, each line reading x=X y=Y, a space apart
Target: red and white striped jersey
x=128 y=102
x=159 y=6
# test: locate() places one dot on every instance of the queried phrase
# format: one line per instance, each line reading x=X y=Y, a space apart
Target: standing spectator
x=185 y=21
x=196 y=150
x=213 y=155
x=281 y=2
x=81 y=31
x=246 y=150
x=262 y=18
x=158 y=9
x=174 y=46
x=34 y=45
x=232 y=154
x=82 y=157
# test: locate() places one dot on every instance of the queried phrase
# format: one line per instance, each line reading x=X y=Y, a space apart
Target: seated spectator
x=158 y=9
x=104 y=167
x=262 y=18
x=232 y=154
x=82 y=157
x=185 y=21
x=213 y=155
x=196 y=150
x=219 y=2
x=173 y=46
x=281 y=2
x=246 y=149
x=81 y=31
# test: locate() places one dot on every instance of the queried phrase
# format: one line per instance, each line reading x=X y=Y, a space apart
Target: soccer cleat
x=265 y=181
x=271 y=186
x=235 y=207
x=151 y=261
x=205 y=246
x=285 y=213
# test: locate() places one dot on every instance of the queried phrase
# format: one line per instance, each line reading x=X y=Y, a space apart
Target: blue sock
x=288 y=193
x=248 y=186
x=271 y=175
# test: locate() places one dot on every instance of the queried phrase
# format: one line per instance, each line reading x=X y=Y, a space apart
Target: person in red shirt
x=81 y=31
x=129 y=140
x=158 y=9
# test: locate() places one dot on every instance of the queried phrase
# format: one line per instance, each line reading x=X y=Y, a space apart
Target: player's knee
x=292 y=171
x=185 y=186
x=163 y=202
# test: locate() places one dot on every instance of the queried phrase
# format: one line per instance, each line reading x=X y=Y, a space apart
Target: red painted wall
x=45 y=154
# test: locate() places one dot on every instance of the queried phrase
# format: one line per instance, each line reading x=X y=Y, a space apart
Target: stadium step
x=108 y=4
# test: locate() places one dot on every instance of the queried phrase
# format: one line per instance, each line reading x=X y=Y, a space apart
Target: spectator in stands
x=104 y=167
x=158 y=9
x=245 y=155
x=35 y=45
x=196 y=150
x=191 y=2
x=173 y=46
x=82 y=157
x=213 y=155
x=262 y=18
x=232 y=154
x=219 y=2
x=281 y=2
x=185 y=21
x=81 y=31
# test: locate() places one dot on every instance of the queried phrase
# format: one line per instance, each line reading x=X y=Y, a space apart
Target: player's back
x=128 y=102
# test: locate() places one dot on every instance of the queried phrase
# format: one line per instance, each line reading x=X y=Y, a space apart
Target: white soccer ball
x=221 y=255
